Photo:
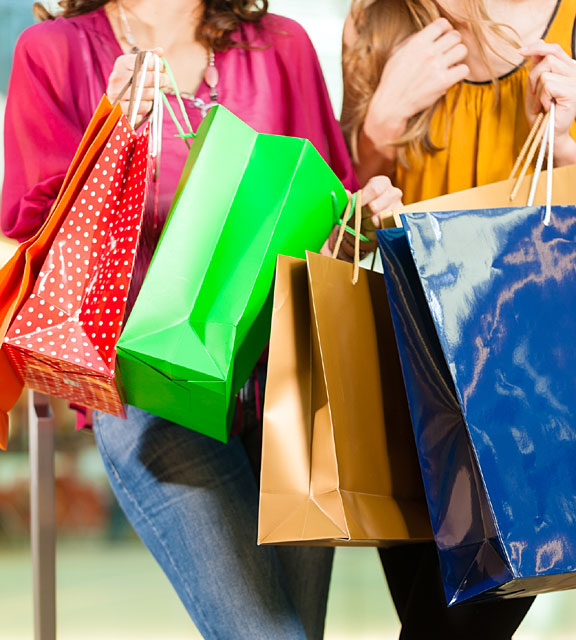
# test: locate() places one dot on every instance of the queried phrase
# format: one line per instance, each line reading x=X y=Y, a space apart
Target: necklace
x=211 y=75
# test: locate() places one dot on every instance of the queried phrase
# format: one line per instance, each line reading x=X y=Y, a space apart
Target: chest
x=513 y=23
x=188 y=64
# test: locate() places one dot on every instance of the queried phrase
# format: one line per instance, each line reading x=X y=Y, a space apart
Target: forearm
x=376 y=153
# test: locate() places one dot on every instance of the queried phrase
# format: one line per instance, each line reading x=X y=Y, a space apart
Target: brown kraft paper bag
x=497 y=194
x=339 y=464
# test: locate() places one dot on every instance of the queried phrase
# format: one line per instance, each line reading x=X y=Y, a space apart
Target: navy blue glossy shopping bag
x=484 y=309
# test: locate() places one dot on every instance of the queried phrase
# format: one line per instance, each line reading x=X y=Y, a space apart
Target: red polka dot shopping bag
x=63 y=340
x=18 y=275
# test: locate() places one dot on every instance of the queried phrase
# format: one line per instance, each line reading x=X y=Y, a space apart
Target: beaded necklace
x=211 y=75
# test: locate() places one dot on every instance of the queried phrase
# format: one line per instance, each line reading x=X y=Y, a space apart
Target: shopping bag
x=202 y=317
x=482 y=303
x=11 y=390
x=62 y=342
x=339 y=464
x=18 y=275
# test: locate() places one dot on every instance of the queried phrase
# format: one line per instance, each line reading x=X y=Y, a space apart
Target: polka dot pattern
x=63 y=342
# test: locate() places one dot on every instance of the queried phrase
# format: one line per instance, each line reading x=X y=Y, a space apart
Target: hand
x=420 y=71
x=380 y=196
x=553 y=77
x=122 y=72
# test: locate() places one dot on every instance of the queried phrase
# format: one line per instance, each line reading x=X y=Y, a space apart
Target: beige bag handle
x=131 y=84
x=529 y=151
x=537 y=133
x=357 y=225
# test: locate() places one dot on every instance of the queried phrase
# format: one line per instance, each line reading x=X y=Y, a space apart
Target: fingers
x=436 y=29
x=448 y=41
x=457 y=73
x=551 y=64
x=542 y=49
x=122 y=73
x=375 y=187
x=433 y=37
x=379 y=196
x=554 y=86
x=552 y=77
x=149 y=79
x=143 y=108
x=325 y=250
x=455 y=55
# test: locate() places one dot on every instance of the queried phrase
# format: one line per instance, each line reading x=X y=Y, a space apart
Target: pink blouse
x=60 y=71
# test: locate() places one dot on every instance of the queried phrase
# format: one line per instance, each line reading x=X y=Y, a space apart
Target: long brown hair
x=221 y=18
x=380 y=26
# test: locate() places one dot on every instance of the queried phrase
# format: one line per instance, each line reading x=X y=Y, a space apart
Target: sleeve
x=311 y=115
x=42 y=128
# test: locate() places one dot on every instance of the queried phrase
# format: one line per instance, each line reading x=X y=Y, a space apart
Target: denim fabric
x=194 y=503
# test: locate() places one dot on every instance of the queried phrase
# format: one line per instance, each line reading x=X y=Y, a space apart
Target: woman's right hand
x=122 y=72
x=420 y=70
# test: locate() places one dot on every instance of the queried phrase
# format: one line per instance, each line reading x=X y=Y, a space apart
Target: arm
x=52 y=93
x=42 y=129
x=419 y=72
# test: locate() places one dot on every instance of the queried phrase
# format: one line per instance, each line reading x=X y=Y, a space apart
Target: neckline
x=523 y=63
x=202 y=88
x=110 y=30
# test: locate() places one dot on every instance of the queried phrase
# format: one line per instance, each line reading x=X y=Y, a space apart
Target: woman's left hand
x=553 y=77
x=379 y=196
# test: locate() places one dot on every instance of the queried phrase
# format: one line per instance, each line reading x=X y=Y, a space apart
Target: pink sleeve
x=310 y=113
x=42 y=128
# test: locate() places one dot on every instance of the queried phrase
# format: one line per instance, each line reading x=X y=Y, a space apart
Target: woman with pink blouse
x=192 y=500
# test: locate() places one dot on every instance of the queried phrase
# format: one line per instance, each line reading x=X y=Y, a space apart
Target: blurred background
x=108 y=584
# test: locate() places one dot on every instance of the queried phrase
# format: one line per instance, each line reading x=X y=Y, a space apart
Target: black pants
x=415 y=582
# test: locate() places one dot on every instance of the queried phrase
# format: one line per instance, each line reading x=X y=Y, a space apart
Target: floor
x=105 y=591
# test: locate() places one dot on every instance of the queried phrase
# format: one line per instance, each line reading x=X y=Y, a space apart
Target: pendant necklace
x=211 y=75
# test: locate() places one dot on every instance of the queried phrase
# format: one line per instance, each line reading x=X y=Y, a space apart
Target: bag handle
x=136 y=86
x=528 y=151
x=156 y=113
x=547 y=141
x=137 y=64
x=527 y=145
x=355 y=199
x=181 y=133
x=538 y=133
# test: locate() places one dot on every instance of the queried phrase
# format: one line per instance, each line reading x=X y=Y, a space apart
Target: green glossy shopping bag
x=202 y=317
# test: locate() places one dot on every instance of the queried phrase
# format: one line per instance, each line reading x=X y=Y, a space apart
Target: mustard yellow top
x=482 y=140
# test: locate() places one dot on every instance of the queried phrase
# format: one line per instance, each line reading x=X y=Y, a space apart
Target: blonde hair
x=381 y=25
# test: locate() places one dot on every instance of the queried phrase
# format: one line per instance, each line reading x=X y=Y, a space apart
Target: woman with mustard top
x=440 y=96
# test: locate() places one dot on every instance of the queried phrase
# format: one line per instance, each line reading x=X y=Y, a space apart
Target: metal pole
x=42 y=517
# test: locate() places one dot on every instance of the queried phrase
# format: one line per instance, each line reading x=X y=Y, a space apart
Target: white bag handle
x=157 y=110
x=547 y=139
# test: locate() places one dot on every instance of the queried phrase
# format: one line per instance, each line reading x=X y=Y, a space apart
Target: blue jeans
x=194 y=503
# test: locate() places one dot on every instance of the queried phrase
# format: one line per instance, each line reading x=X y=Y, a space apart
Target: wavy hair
x=221 y=18
x=381 y=25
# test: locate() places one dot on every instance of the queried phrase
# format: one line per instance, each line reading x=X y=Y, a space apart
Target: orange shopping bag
x=63 y=339
x=18 y=275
